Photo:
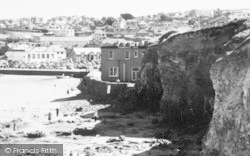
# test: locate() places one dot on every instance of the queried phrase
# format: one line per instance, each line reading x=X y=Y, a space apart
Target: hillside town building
x=99 y=35
x=36 y=54
x=121 y=62
x=85 y=54
x=64 y=41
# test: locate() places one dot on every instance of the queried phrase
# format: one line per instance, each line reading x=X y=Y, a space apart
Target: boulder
x=36 y=134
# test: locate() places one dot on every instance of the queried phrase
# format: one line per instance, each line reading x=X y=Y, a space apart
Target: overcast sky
x=100 y=8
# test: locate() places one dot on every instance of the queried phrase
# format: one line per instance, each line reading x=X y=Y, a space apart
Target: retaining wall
x=100 y=88
x=47 y=72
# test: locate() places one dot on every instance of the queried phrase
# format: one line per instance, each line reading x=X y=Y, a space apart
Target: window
x=57 y=52
x=43 y=56
x=91 y=57
x=135 y=53
x=52 y=56
x=33 y=56
x=134 y=73
x=143 y=53
x=47 y=55
x=113 y=72
x=38 y=55
x=29 y=56
x=127 y=55
x=111 y=55
x=61 y=52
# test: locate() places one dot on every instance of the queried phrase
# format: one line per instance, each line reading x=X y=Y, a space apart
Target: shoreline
x=44 y=72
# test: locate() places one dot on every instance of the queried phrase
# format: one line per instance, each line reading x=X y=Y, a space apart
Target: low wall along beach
x=47 y=72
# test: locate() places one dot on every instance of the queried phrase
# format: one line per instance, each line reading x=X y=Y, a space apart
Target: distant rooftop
x=78 y=39
x=123 y=43
x=86 y=51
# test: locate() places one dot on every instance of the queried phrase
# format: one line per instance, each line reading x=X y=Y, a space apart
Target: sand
x=26 y=100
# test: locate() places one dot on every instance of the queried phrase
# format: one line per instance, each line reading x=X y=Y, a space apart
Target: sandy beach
x=33 y=93
x=27 y=100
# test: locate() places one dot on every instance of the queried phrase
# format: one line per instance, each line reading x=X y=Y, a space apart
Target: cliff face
x=203 y=76
x=175 y=74
x=229 y=131
x=184 y=64
x=148 y=87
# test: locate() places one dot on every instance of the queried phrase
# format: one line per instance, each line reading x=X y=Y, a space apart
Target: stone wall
x=122 y=96
x=99 y=88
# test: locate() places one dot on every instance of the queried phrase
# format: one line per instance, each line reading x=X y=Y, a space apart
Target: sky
x=105 y=8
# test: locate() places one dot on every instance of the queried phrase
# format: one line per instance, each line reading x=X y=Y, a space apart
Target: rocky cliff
x=148 y=87
x=202 y=76
x=229 y=131
x=175 y=74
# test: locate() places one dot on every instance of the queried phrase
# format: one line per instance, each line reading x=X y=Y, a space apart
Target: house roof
x=112 y=41
x=142 y=23
x=132 y=27
x=56 y=48
x=109 y=27
x=132 y=21
x=86 y=51
x=100 y=32
x=142 y=32
x=37 y=49
x=52 y=48
x=86 y=29
x=119 y=43
x=3 y=36
x=65 y=39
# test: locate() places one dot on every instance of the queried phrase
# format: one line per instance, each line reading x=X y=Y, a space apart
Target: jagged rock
x=63 y=133
x=113 y=140
x=36 y=134
x=229 y=132
x=85 y=132
x=122 y=137
x=148 y=87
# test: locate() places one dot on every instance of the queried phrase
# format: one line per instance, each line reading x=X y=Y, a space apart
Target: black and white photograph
x=124 y=78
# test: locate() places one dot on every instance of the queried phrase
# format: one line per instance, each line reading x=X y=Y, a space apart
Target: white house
x=54 y=27
x=70 y=32
x=142 y=25
x=2 y=25
x=37 y=54
x=99 y=35
x=123 y=23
